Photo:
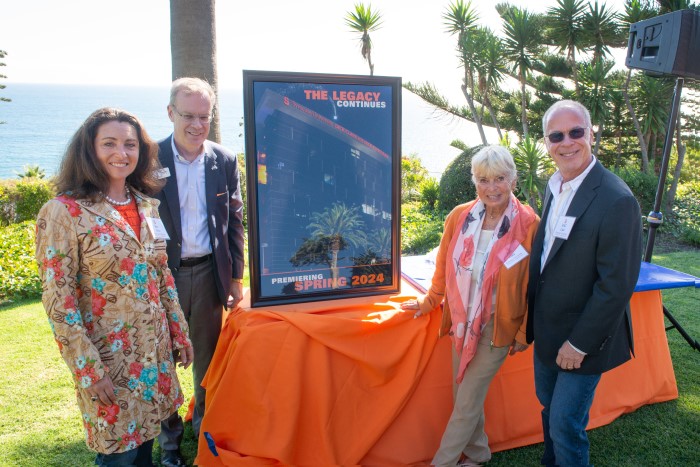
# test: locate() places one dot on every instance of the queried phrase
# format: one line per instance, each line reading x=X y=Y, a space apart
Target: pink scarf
x=468 y=322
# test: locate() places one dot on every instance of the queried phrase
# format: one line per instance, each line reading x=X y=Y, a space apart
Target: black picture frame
x=323 y=166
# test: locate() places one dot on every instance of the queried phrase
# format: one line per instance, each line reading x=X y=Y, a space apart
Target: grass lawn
x=40 y=423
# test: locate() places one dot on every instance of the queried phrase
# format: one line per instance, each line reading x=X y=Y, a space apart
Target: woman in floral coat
x=107 y=290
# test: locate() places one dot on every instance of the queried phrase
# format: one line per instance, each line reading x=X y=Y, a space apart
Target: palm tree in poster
x=364 y=21
x=342 y=225
x=193 y=46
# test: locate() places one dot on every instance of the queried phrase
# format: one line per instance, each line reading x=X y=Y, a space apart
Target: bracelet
x=240 y=281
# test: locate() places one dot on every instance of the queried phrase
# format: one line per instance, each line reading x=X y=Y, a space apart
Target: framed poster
x=323 y=161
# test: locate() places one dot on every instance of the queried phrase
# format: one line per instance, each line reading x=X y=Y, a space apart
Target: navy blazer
x=582 y=294
x=224 y=212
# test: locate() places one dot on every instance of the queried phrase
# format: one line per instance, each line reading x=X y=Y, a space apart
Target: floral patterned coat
x=113 y=308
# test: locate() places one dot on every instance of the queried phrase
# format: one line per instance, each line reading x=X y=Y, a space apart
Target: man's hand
x=569 y=358
x=235 y=295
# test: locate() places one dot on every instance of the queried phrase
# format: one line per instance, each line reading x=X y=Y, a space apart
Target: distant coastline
x=41 y=118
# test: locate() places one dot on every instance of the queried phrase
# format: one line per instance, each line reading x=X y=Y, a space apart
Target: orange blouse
x=130 y=213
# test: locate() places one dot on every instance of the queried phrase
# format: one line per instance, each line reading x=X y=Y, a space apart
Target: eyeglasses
x=189 y=118
x=558 y=136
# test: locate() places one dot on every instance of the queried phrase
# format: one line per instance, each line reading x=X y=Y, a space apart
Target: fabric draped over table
x=340 y=373
x=356 y=381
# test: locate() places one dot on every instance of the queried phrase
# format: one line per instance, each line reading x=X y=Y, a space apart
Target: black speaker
x=667 y=44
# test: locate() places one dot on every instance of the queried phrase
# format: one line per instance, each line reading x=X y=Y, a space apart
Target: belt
x=190 y=262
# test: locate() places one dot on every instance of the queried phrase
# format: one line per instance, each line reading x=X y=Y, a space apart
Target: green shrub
x=685 y=221
x=413 y=174
x=20 y=200
x=18 y=269
x=456 y=185
x=643 y=186
x=421 y=229
x=429 y=192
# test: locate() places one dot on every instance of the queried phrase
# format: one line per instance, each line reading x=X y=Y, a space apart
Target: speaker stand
x=655 y=217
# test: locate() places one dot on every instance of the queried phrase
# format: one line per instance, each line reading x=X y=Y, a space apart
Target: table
x=357 y=381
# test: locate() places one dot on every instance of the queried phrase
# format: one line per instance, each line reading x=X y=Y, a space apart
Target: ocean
x=41 y=118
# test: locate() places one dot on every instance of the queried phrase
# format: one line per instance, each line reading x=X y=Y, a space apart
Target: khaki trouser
x=465 y=430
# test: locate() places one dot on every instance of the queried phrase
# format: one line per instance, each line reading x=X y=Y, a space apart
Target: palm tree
x=2 y=86
x=653 y=98
x=342 y=225
x=534 y=167
x=601 y=30
x=490 y=69
x=635 y=11
x=595 y=94
x=32 y=171
x=193 y=46
x=565 y=31
x=667 y=6
x=460 y=18
x=364 y=21
x=523 y=39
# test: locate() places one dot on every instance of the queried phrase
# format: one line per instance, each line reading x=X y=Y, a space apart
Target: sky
x=127 y=42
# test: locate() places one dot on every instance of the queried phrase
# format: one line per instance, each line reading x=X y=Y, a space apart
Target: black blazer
x=584 y=289
x=224 y=212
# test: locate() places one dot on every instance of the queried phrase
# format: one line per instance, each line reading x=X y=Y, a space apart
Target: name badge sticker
x=161 y=173
x=157 y=228
x=564 y=226
x=518 y=255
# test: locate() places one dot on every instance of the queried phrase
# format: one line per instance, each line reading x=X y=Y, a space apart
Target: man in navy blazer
x=584 y=266
x=202 y=210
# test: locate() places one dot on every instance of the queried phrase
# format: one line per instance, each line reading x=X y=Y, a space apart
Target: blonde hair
x=190 y=85
x=494 y=160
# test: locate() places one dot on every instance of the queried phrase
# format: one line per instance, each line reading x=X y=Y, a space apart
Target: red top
x=130 y=213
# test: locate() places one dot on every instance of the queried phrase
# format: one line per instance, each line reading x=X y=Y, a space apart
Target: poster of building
x=323 y=185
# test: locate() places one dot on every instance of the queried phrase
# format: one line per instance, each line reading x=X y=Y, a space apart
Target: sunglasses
x=558 y=136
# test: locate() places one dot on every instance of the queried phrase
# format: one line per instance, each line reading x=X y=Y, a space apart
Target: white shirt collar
x=556 y=181
x=179 y=158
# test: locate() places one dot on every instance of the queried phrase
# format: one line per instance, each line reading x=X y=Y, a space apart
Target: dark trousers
x=199 y=299
x=139 y=457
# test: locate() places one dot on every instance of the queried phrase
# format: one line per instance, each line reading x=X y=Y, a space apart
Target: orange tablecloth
x=357 y=381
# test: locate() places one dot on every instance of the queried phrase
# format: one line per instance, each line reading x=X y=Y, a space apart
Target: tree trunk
x=193 y=46
x=574 y=70
x=495 y=120
x=645 y=154
x=637 y=128
x=670 y=197
x=652 y=153
x=598 y=136
x=477 y=120
x=523 y=98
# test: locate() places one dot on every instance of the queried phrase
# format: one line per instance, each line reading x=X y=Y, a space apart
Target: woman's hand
x=184 y=356
x=517 y=347
x=102 y=392
x=412 y=305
